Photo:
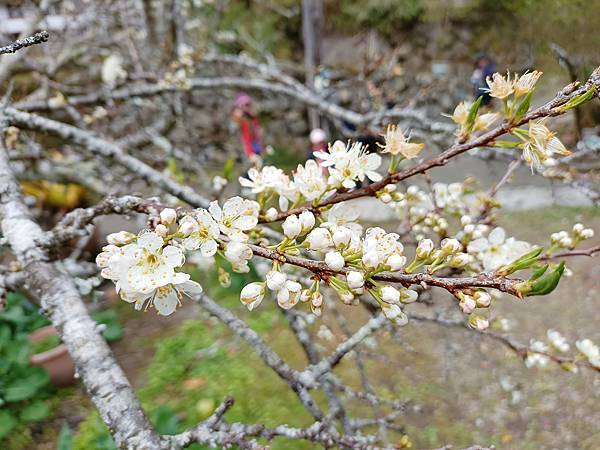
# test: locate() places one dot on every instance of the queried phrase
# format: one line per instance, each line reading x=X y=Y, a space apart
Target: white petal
x=497 y=236
x=191 y=288
x=209 y=248
x=165 y=301
x=191 y=243
x=478 y=245
x=215 y=210
x=172 y=256
x=150 y=241
x=180 y=278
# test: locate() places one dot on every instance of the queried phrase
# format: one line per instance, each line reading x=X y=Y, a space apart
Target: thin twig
x=37 y=38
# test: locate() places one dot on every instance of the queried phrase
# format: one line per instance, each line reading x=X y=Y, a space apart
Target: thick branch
x=104 y=379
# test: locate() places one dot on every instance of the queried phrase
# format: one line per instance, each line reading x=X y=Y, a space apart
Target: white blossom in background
x=536 y=359
x=396 y=143
x=350 y=163
x=495 y=250
x=557 y=341
x=590 y=350
x=113 y=72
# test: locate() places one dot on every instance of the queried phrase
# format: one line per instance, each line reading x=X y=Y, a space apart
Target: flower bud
x=424 y=249
x=271 y=214
x=459 y=260
x=161 y=230
x=319 y=239
x=468 y=304
x=289 y=295
x=120 y=238
x=292 y=227
x=450 y=246
x=355 y=280
x=578 y=228
x=587 y=233
x=275 y=280
x=396 y=262
x=390 y=294
x=168 y=216
x=389 y=188
x=565 y=242
x=346 y=297
x=307 y=220
x=466 y=220
x=335 y=261
x=395 y=314
x=317 y=300
x=478 y=322
x=408 y=296
x=385 y=197
x=371 y=259
x=187 y=226
x=252 y=295
x=224 y=278
x=482 y=299
x=342 y=236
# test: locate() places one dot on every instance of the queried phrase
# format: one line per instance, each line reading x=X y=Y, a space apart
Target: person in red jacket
x=246 y=119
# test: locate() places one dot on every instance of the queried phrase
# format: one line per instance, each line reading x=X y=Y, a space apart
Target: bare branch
x=37 y=38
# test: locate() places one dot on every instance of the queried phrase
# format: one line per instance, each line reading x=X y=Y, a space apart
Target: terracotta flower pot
x=56 y=361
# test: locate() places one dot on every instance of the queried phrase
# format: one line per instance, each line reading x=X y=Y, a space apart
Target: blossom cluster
x=344 y=165
x=541 y=353
x=146 y=267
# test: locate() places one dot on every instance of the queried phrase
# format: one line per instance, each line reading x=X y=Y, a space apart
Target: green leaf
x=7 y=423
x=523 y=107
x=25 y=387
x=507 y=144
x=34 y=412
x=538 y=272
x=580 y=99
x=524 y=262
x=228 y=170
x=548 y=283
x=65 y=438
x=473 y=114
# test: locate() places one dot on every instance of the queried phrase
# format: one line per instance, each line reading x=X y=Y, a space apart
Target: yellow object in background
x=64 y=196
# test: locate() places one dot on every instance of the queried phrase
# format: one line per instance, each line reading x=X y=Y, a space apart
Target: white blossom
x=496 y=250
x=237 y=216
x=309 y=181
x=201 y=231
x=151 y=266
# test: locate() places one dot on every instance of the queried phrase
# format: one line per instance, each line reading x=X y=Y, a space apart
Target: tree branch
x=37 y=38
